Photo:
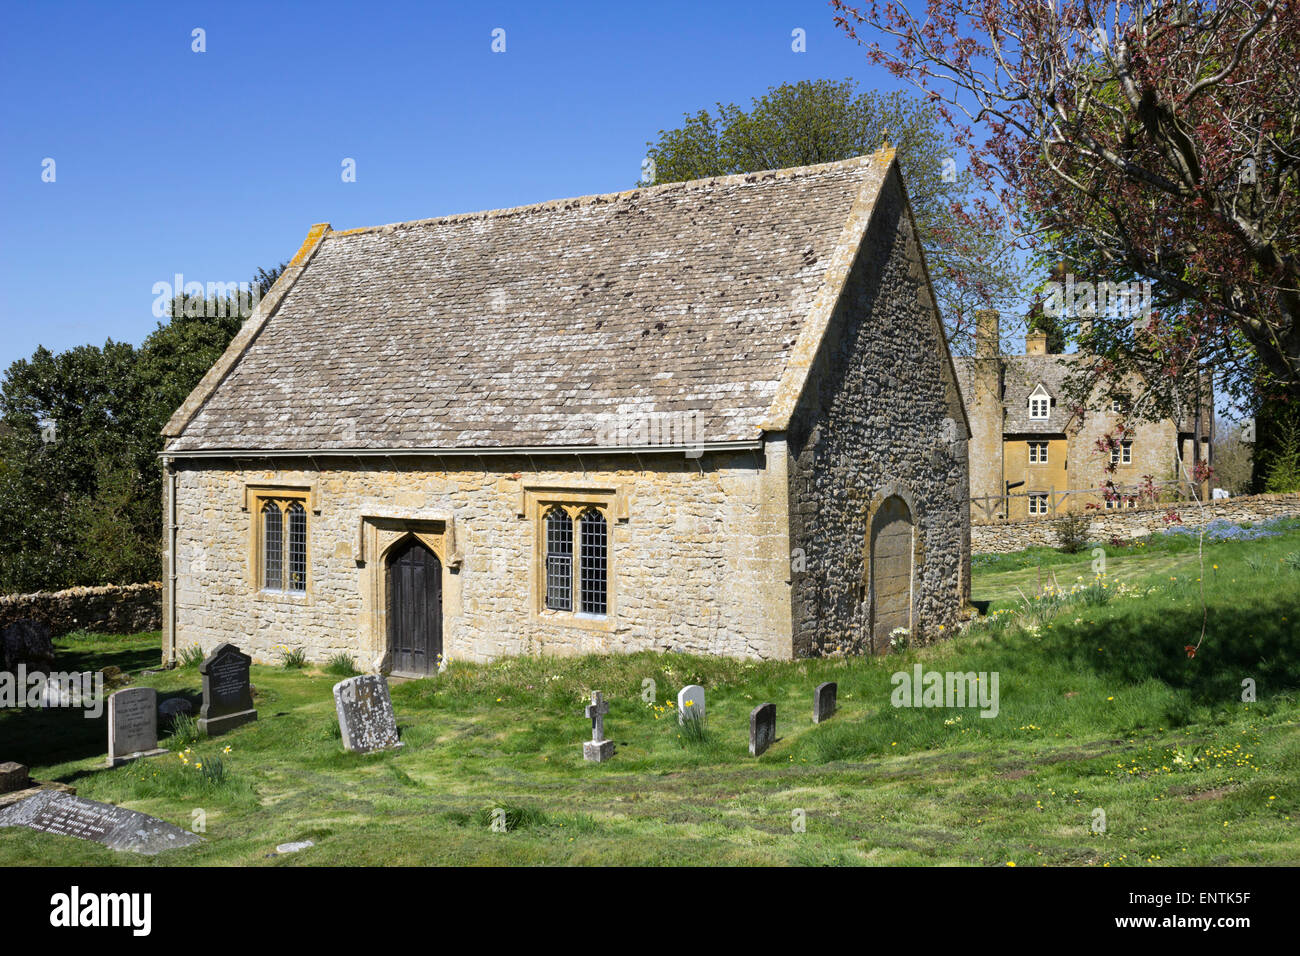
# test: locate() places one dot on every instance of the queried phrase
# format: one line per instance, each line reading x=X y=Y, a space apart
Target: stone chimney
x=986 y=333
x=1036 y=343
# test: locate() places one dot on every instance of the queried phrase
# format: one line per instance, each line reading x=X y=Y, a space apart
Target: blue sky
x=213 y=164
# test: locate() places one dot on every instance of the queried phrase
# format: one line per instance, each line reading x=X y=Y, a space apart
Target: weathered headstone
x=133 y=725
x=824 y=701
x=13 y=776
x=227 y=693
x=26 y=642
x=690 y=703
x=365 y=710
x=176 y=705
x=762 y=728
x=117 y=828
x=597 y=749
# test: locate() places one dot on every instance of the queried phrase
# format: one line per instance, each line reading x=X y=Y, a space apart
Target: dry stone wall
x=1129 y=524
x=113 y=609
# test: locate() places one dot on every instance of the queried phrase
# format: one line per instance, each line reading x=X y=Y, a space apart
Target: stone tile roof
x=1021 y=375
x=520 y=327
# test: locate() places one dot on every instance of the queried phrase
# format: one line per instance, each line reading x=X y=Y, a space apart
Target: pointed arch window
x=559 y=560
x=594 y=558
x=272 y=546
x=574 y=569
x=297 y=546
x=280 y=548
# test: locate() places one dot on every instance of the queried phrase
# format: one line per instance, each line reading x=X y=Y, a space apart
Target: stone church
x=715 y=416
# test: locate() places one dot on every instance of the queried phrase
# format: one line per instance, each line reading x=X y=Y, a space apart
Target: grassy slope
x=1102 y=708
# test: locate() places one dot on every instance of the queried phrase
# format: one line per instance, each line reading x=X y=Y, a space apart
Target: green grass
x=1100 y=707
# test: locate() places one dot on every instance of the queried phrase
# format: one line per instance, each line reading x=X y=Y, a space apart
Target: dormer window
x=1040 y=404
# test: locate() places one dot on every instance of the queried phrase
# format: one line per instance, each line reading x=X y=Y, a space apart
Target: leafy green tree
x=80 y=477
x=820 y=121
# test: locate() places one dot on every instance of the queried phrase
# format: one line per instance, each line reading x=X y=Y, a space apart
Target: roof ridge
x=595 y=199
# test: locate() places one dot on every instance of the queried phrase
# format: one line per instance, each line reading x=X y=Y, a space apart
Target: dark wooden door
x=415 y=608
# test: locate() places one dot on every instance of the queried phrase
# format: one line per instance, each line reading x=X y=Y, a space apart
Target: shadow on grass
x=1150 y=643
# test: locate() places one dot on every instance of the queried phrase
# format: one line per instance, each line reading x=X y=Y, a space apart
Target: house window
x=559 y=560
x=1038 y=504
x=594 y=562
x=1123 y=454
x=1040 y=407
x=1121 y=501
x=1038 y=452
x=281 y=544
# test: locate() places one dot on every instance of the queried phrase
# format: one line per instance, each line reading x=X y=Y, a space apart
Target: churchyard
x=1113 y=744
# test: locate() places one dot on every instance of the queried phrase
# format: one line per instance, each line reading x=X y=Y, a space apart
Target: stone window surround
x=1122 y=454
x=1038 y=503
x=1038 y=452
x=612 y=503
x=255 y=496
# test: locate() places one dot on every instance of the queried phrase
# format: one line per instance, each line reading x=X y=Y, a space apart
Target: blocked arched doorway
x=891 y=570
x=414 y=577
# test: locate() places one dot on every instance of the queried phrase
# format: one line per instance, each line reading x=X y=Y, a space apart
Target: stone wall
x=1130 y=524
x=114 y=609
x=698 y=564
x=881 y=416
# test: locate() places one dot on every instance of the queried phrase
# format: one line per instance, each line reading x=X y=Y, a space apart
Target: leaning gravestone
x=366 y=718
x=824 y=701
x=117 y=828
x=227 y=693
x=690 y=703
x=133 y=725
x=762 y=728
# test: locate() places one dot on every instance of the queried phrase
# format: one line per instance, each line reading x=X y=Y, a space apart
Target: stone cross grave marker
x=762 y=728
x=824 y=701
x=690 y=703
x=227 y=693
x=133 y=725
x=366 y=719
x=117 y=828
x=597 y=749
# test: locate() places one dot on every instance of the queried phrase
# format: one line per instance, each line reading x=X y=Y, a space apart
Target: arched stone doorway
x=891 y=570
x=414 y=589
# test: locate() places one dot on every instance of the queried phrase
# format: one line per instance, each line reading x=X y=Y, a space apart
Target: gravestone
x=824 y=701
x=133 y=725
x=366 y=718
x=597 y=749
x=26 y=642
x=762 y=728
x=13 y=776
x=227 y=693
x=690 y=703
x=50 y=811
x=174 y=707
